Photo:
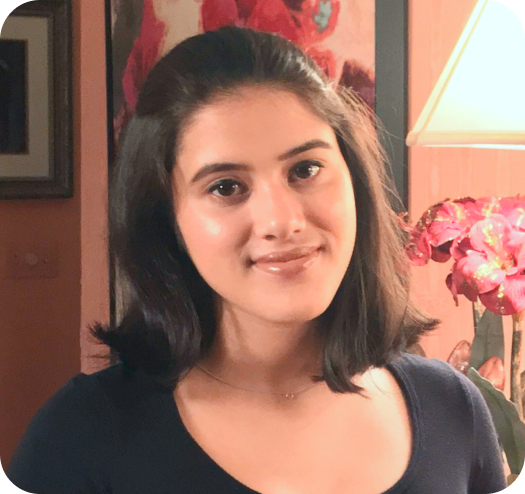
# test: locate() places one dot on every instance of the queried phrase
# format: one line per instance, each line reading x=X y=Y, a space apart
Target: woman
x=262 y=349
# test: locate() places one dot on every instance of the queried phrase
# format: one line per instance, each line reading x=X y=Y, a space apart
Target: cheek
x=206 y=236
x=339 y=210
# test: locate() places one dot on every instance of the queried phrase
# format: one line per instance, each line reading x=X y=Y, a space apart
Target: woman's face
x=258 y=174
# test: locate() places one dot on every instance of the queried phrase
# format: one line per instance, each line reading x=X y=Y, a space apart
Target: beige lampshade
x=479 y=99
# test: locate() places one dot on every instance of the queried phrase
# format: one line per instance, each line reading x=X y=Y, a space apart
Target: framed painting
x=358 y=43
x=36 y=152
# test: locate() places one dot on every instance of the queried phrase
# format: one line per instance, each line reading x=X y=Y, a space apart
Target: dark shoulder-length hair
x=168 y=316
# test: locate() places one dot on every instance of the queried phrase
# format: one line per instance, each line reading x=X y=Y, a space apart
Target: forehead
x=256 y=122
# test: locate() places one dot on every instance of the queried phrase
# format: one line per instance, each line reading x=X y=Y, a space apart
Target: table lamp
x=479 y=99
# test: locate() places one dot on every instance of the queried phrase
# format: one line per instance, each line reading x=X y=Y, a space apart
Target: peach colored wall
x=435 y=174
x=41 y=342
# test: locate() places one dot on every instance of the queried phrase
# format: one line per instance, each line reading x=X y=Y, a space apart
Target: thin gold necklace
x=289 y=396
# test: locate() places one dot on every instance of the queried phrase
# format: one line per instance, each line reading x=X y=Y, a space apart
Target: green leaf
x=488 y=341
x=511 y=430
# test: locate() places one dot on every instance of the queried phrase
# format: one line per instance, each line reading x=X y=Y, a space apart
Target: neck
x=264 y=355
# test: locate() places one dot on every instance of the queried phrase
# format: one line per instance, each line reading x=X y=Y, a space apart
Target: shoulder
x=438 y=388
x=444 y=395
x=452 y=417
x=425 y=372
x=69 y=439
x=81 y=400
x=74 y=439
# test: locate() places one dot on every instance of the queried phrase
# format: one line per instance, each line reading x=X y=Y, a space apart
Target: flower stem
x=478 y=310
x=518 y=323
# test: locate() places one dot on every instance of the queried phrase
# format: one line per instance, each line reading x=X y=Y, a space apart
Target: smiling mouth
x=283 y=256
x=291 y=267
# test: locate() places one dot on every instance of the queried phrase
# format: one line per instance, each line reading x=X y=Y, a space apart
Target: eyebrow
x=221 y=167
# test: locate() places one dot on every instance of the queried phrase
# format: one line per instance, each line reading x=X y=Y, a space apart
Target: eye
x=223 y=185
x=306 y=165
x=227 y=185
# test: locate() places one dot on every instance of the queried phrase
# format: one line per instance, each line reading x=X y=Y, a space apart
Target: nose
x=277 y=212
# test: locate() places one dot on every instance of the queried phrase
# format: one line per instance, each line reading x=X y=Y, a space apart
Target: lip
x=284 y=256
x=288 y=263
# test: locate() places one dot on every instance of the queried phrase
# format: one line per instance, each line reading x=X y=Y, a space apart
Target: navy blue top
x=116 y=432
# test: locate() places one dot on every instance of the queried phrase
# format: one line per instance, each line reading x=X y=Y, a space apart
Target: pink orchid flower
x=513 y=208
x=435 y=231
x=490 y=263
